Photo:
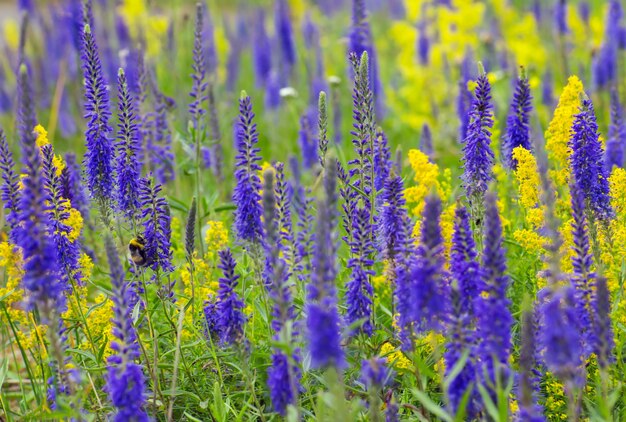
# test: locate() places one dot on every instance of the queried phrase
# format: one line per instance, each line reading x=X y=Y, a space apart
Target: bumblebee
x=137 y=249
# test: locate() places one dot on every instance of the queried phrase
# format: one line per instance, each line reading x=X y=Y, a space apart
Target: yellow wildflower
x=395 y=357
x=527 y=176
x=99 y=321
x=11 y=261
x=426 y=174
x=530 y=240
x=156 y=30
x=12 y=33
x=216 y=236
x=75 y=222
x=617 y=181
x=86 y=265
x=558 y=133
x=42 y=136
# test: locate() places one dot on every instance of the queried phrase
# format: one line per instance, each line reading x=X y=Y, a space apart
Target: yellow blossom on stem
x=426 y=175
x=394 y=357
x=559 y=130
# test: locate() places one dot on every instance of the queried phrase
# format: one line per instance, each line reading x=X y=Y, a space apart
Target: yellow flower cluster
x=617 y=182
x=395 y=357
x=554 y=405
x=74 y=221
x=558 y=133
x=141 y=23
x=530 y=240
x=42 y=140
x=11 y=261
x=12 y=33
x=99 y=322
x=215 y=237
x=426 y=176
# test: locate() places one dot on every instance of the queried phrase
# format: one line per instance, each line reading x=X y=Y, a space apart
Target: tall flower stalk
x=494 y=320
x=156 y=221
x=284 y=374
x=10 y=186
x=517 y=123
x=230 y=319
x=477 y=154
x=126 y=384
x=461 y=321
x=99 y=155
x=246 y=195
x=587 y=162
x=126 y=164
x=323 y=335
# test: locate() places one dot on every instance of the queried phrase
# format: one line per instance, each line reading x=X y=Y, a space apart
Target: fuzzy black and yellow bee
x=137 y=249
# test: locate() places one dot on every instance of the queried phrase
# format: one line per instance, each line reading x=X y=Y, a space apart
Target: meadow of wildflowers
x=327 y=210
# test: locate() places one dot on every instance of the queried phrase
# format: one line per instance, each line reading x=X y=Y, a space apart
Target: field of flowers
x=332 y=210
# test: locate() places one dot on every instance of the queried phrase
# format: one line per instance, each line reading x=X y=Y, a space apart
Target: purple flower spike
x=587 y=162
x=230 y=319
x=99 y=155
x=246 y=195
x=517 y=127
x=323 y=335
x=127 y=165
x=494 y=320
x=477 y=154
x=126 y=382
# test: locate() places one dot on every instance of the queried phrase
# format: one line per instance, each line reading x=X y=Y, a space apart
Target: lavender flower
x=155 y=215
x=605 y=65
x=68 y=251
x=477 y=154
x=560 y=337
x=382 y=160
x=604 y=332
x=361 y=41
x=284 y=32
x=429 y=290
x=283 y=374
x=529 y=410
x=26 y=119
x=324 y=339
x=323 y=128
x=41 y=268
x=614 y=154
x=164 y=167
x=587 y=162
x=494 y=320
x=199 y=87
x=464 y=267
x=230 y=319
x=364 y=126
x=560 y=17
x=261 y=51
x=10 y=186
x=359 y=290
x=125 y=378
x=465 y=274
x=393 y=230
x=583 y=277
x=517 y=127
x=308 y=143
x=127 y=166
x=216 y=137
x=99 y=155
x=246 y=194
x=426 y=142
x=375 y=374
x=73 y=188
x=423 y=43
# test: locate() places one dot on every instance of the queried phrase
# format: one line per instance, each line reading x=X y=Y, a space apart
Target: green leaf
x=431 y=406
